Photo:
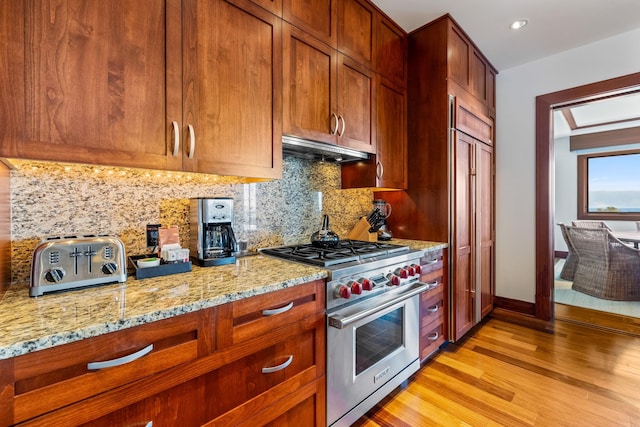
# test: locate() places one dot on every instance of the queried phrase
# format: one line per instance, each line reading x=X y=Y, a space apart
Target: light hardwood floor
x=509 y=372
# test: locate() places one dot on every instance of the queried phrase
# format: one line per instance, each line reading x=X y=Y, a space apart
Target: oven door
x=371 y=348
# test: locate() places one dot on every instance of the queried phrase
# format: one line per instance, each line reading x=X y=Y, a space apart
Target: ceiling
x=554 y=25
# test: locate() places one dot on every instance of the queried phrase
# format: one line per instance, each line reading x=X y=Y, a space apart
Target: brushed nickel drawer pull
x=344 y=125
x=433 y=309
x=279 y=367
x=433 y=261
x=274 y=311
x=379 y=170
x=434 y=336
x=176 y=138
x=192 y=141
x=92 y=366
x=149 y=424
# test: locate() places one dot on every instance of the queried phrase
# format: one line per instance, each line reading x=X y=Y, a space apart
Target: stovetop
x=346 y=251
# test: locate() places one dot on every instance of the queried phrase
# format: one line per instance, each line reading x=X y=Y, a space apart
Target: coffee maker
x=385 y=210
x=212 y=241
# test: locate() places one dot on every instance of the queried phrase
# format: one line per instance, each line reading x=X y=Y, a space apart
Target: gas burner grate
x=345 y=251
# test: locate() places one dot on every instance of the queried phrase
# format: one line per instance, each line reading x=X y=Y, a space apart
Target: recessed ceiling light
x=518 y=24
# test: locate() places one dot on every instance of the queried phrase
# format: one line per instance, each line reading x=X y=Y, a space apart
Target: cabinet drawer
x=431 y=309
x=431 y=339
x=258 y=316
x=249 y=385
x=432 y=261
x=56 y=377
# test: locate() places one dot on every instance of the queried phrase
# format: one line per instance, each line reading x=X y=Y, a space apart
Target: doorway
x=545 y=179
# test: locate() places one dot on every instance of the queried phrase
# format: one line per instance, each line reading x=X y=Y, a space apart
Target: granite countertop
x=29 y=324
x=419 y=244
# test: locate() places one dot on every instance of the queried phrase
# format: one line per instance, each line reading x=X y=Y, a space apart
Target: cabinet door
x=356 y=106
x=485 y=226
x=463 y=285
x=391 y=52
x=233 y=89
x=310 y=104
x=458 y=50
x=356 y=22
x=391 y=136
x=316 y=17
x=478 y=70
x=94 y=82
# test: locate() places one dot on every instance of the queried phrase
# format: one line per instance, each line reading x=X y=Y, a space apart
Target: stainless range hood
x=313 y=150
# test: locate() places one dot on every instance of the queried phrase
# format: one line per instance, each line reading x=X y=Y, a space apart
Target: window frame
x=583 y=190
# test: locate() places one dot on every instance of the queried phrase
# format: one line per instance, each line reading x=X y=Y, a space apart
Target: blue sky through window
x=614 y=181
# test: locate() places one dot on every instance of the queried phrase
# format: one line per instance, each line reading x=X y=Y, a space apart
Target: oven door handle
x=340 y=322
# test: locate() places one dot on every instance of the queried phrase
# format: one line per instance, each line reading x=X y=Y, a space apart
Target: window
x=609 y=186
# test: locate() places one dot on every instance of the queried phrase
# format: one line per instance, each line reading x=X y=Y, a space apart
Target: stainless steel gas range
x=373 y=322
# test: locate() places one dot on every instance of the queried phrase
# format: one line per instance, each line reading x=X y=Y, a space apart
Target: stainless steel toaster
x=68 y=262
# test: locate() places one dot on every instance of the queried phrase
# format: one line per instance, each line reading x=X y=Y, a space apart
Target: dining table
x=629 y=237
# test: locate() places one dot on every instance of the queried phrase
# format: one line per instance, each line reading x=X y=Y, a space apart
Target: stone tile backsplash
x=52 y=199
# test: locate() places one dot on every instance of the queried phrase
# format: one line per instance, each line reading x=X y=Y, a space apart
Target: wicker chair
x=590 y=224
x=569 y=269
x=606 y=268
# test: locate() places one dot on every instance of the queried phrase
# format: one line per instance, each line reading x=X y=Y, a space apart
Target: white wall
x=516 y=90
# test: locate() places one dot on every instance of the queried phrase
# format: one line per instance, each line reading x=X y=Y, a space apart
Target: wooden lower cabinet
x=238 y=393
x=433 y=304
x=268 y=369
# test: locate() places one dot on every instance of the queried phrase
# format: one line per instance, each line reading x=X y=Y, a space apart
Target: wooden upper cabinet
x=327 y=96
x=467 y=66
x=192 y=85
x=356 y=105
x=356 y=30
x=309 y=90
x=316 y=17
x=391 y=52
x=459 y=48
x=94 y=82
x=392 y=136
x=388 y=168
x=232 y=89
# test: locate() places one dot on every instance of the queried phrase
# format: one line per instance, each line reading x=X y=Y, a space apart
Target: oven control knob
x=393 y=280
x=402 y=272
x=411 y=271
x=366 y=284
x=342 y=291
x=356 y=288
x=417 y=268
x=109 y=268
x=54 y=275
